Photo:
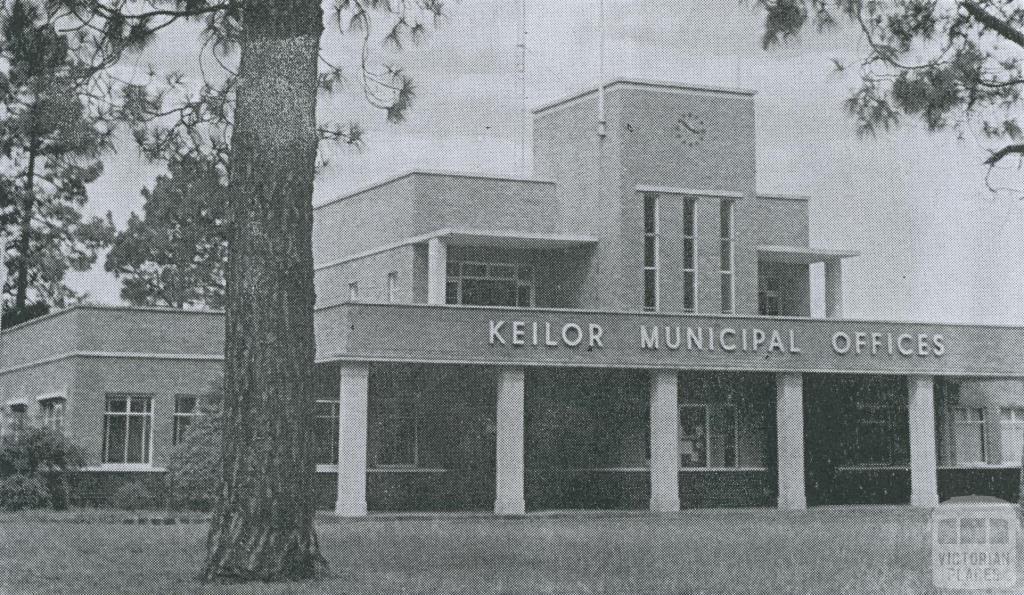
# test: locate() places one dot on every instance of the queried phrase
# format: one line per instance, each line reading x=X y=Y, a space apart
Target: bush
x=194 y=469
x=132 y=496
x=42 y=452
x=23 y=491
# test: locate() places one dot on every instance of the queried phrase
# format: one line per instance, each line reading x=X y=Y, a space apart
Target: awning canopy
x=512 y=239
x=800 y=254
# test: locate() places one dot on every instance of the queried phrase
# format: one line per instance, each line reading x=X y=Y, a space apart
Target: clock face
x=690 y=129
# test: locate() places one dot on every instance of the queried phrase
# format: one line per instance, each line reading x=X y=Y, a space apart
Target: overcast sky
x=936 y=244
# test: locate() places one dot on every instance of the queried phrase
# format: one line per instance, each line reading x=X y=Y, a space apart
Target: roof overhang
x=801 y=255
x=512 y=239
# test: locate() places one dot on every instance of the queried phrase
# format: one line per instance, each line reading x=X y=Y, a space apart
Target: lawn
x=825 y=550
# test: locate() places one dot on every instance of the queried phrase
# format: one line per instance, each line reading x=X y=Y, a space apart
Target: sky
x=936 y=244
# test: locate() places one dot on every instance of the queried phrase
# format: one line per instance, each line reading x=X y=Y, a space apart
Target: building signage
x=727 y=339
x=540 y=337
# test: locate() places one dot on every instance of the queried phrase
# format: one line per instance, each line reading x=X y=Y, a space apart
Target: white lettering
x=496 y=332
x=596 y=332
x=721 y=339
x=694 y=339
x=861 y=340
x=759 y=338
x=905 y=350
x=548 y=339
x=574 y=328
x=846 y=343
x=940 y=346
x=792 y=342
x=923 y=344
x=776 y=342
x=648 y=338
x=669 y=342
x=876 y=342
x=518 y=332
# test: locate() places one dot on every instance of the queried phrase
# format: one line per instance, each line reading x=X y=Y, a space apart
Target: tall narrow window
x=392 y=287
x=1012 y=428
x=17 y=419
x=325 y=432
x=650 y=252
x=727 y=258
x=693 y=436
x=689 y=257
x=53 y=413
x=185 y=410
x=127 y=429
x=353 y=291
x=968 y=434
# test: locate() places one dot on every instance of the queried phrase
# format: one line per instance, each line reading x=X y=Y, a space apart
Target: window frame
x=727 y=254
x=519 y=281
x=392 y=287
x=652 y=246
x=1016 y=422
x=383 y=413
x=147 y=416
x=353 y=291
x=178 y=432
x=333 y=414
x=891 y=423
x=707 y=436
x=981 y=423
x=690 y=253
x=50 y=416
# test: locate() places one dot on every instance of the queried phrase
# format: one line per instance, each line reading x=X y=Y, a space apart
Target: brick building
x=630 y=329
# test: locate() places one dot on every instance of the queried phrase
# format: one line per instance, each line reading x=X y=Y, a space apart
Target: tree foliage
x=50 y=144
x=949 y=64
x=174 y=254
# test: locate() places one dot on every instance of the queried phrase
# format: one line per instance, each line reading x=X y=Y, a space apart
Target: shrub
x=194 y=468
x=42 y=452
x=23 y=491
x=132 y=496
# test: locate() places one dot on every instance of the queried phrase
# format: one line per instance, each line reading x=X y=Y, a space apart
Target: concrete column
x=510 y=464
x=437 y=270
x=833 y=288
x=352 y=396
x=664 y=390
x=924 y=489
x=789 y=391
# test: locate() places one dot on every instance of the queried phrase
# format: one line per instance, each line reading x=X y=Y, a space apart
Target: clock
x=690 y=129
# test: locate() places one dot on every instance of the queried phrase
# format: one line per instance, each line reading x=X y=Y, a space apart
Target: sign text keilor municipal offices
x=697 y=338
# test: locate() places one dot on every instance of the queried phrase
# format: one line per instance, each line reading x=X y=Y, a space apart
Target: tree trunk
x=24 y=240
x=262 y=528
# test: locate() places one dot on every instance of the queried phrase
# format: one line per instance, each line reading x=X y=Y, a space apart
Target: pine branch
x=1001 y=27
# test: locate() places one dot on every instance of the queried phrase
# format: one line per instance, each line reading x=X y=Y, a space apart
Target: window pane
x=136 y=439
x=726 y=218
x=486 y=292
x=181 y=424
x=688 y=218
x=451 y=292
x=139 y=404
x=972 y=531
x=325 y=433
x=688 y=253
x=726 y=255
x=184 y=405
x=1012 y=441
x=525 y=273
x=692 y=437
x=114 y=428
x=689 y=297
x=968 y=436
x=525 y=298
x=470 y=269
x=650 y=249
x=117 y=404
x=726 y=293
x=650 y=213
x=502 y=271
x=650 y=289
x=729 y=446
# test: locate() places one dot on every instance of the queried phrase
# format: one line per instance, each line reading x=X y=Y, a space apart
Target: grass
x=825 y=550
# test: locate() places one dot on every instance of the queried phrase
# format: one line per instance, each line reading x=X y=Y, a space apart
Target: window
x=768 y=296
x=967 y=432
x=397 y=433
x=1011 y=427
x=128 y=429
x=392 y=287
x=17 y=419
x=693 y=436
x=650 y=252
x=490 y=284
x=325 y=432
x=52 y=413
x=727 y=257
x=878 y=435
x=689 y=257
x=353 y=291
x=185 y=410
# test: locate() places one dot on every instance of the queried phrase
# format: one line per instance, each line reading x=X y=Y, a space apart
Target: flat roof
x=512 y=239
x=431 y=172
x=801 y=255
x=664 y=85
